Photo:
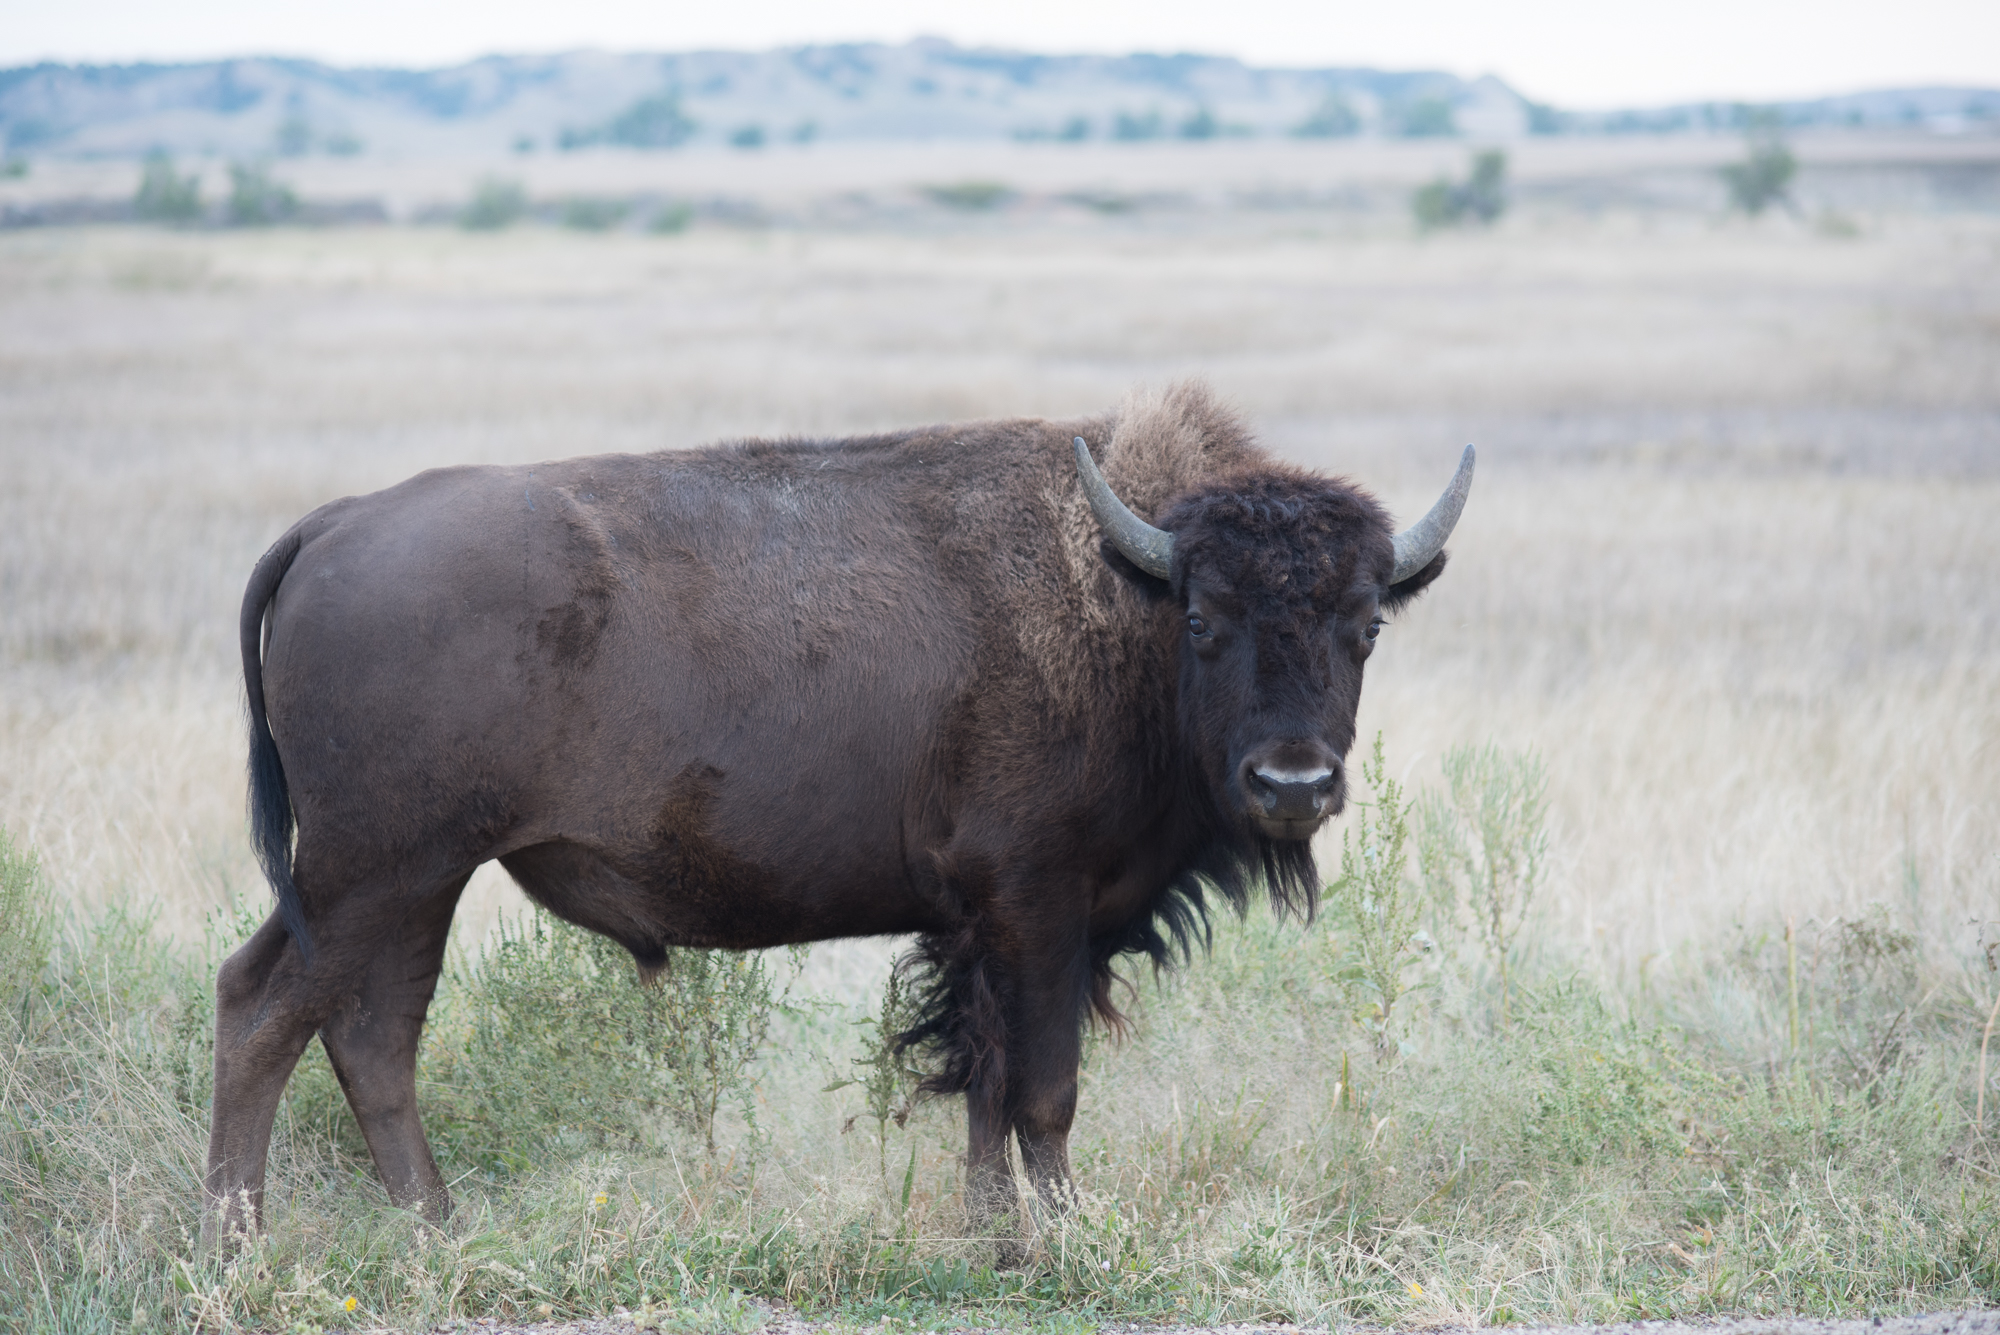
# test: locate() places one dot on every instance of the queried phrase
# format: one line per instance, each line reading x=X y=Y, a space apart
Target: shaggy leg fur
x=1047 y=968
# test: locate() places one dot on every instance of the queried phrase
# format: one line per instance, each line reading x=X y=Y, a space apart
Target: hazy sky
x=1576 y=52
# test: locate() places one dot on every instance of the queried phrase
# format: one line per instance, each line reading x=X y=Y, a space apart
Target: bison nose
x=1291 y=794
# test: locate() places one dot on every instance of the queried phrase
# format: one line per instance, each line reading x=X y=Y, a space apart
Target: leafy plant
x=587 y=214
x=1335 y=118
x=1764 y=176
x=164 y=194
x=496 y=203
x=550 y=1041
x=971 y=196
x=671 y=219
x=1377 y=902
x=1483 y=844
x=651 y=122
x=1426 y=118
x=888 y=1082
x=1480 y=198
x=256 y=199
x=1137 y=125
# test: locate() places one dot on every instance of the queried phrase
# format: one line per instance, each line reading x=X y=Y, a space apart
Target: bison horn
x=1419 y=544
x=1151 y=549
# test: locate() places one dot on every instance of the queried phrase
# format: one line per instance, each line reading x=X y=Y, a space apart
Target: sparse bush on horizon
x=1480 y=198
x=1764 y=176
x=256 y=198
x=164 y=195
x=496 y=203
x=1335 y=118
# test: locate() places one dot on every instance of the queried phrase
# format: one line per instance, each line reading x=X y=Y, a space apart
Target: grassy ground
x=1727 y=570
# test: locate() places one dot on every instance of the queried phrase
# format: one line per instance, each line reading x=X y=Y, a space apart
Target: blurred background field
x=1729 y=570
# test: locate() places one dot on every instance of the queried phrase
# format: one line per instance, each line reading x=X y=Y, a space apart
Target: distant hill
x=926 y=89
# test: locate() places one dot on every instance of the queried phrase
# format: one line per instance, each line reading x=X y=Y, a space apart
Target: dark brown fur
x=784 y=691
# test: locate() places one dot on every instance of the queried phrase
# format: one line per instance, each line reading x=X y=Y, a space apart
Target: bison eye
x=1197 y=627
x=1374 y=628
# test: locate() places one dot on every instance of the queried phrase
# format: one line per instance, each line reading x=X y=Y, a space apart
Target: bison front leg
x=1042 y=989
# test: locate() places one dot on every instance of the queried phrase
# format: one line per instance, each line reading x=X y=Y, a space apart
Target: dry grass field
x=1731 y=568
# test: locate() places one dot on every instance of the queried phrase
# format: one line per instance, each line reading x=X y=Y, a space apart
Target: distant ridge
x=922 y=90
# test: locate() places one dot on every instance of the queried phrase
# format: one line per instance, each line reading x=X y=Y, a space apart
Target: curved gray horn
x=1418 y=544
x=1151 y=549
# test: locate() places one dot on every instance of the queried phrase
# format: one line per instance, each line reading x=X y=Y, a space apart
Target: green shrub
x=1425 y=118
x=1200 y=124
x=1377 y=904
x=971 y=196
x=1483 y=846
x=1600 y=1086
x=256 y=199
x=651 y=122
x=888 y=1081
x=1335 y=118
x=164 y=194
x=1131 y=125
x=496 y=203
x=586 y=214
x=1480 y=198
x=1764 y=176
x=551 y=1045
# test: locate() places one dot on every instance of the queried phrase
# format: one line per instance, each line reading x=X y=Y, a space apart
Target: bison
x=940 y=682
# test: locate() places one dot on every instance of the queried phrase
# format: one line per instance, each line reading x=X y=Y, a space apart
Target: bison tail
x=271 y=818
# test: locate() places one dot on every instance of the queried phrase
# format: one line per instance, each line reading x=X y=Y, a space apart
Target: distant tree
x=495 y=203
x=1426 y=118
x=1334 y=119
x=1074 y=130
x=1132 y=125
x=655 y=122
x=747 y=136
x=651 y=122
x=164 y=194
x=587 y=214
x=805 y=132
x=1200 y=124
x=1764 y=176
x=1480 y=198
x=1545 y=119
x=14 y=167
x=256 y=199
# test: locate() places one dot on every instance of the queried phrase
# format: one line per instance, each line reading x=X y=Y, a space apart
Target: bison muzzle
x=943 y=682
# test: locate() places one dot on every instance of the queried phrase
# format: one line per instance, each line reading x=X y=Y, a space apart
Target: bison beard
x=942 y=682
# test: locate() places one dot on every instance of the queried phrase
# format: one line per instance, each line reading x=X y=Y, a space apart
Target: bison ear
x=1401 y=594
x=1152 y=586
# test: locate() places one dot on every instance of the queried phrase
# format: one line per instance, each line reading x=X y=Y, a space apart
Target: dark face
x=1272 y=697
x=1283 y=586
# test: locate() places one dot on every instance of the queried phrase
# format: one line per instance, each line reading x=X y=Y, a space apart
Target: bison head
x=1283 y=579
